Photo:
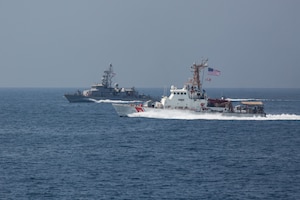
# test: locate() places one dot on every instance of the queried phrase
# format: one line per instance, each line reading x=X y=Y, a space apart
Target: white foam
x=238 y=100
x=187 y=115
x=266 y=100
x=114 y=101
x=283 y=117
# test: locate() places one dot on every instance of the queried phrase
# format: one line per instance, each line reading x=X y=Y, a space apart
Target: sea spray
x=187 y=115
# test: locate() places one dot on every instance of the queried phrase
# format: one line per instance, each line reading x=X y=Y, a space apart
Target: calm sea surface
x=52 y=149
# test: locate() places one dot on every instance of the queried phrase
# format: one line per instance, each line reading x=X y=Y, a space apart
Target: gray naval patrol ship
x=105 y=91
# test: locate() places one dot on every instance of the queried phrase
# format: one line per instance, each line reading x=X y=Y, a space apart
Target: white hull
x=124 y=110
x=127 y=110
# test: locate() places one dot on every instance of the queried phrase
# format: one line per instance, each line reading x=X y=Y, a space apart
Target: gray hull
x=75 y=98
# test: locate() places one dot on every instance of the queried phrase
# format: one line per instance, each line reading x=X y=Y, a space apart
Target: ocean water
x=52 y=149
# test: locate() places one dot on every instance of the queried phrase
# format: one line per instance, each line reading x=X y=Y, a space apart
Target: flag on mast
x=213 y=72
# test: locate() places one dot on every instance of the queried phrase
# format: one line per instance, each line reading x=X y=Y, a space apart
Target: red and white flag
x=213 y=72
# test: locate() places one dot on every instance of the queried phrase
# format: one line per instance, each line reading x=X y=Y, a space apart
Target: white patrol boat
x=192 y=98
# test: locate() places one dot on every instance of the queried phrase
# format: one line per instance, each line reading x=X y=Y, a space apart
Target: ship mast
x=108 y=75
x=196 y=82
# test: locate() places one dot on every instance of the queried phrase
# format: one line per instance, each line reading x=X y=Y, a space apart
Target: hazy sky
x=151 y=43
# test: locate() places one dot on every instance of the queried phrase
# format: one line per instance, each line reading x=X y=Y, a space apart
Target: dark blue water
x=52 y=149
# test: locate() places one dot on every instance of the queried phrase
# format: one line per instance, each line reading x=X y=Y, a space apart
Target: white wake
x=114 y=101
x=186 y=115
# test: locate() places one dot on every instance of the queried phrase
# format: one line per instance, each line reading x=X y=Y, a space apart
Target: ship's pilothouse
x=178 y=98
x=185 y=98
x=196 y=93
x=191 y=95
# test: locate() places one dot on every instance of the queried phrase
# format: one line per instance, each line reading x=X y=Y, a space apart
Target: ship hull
x=126 y=110
x=74 y=98
x=77 y=98
x=123 y=110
